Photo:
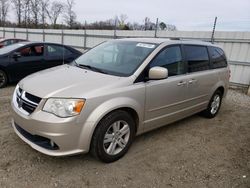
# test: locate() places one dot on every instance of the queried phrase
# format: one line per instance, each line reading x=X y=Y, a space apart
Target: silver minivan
x=118 y=90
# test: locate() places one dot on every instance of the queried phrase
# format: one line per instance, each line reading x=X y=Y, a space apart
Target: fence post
x=85 y=36
x=115 y=36
x=14 y=32
x=212 y=37
x=27 y=34
x=43 y=35
x=3 y=32
x=156 y=27
x=62 y=37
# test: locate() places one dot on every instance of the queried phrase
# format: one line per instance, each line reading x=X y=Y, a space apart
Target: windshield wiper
x=90 y=68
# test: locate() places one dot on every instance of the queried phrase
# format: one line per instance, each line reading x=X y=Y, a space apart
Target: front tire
x=3 y=79
x=113 y=136
x=214 y=105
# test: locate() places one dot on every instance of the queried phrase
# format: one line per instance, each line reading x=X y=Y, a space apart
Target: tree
x=35 y=9
x=18 y=6
x=4 y=8
x=122 y=22
x=171 y=27
x=162 y=25
x=27 y=12
x=147 y=23
x=136 y=26
x=70 y=15
x=44 y=4
x=122 y=19
x=56 y=9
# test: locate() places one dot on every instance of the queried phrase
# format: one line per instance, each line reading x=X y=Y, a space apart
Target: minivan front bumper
x=48 y=133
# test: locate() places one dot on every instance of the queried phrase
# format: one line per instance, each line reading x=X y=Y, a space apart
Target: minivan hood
x=67 y=81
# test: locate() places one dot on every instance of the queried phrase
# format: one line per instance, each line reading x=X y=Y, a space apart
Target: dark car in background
x=6 y=42
x=21 y=59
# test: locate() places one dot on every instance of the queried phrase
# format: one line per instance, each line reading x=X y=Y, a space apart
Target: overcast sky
x=233 y=15
x=185 y=14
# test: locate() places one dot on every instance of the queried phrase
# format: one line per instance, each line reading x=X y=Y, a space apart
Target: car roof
x=31 y=42
x=146 y=40
x=169 y=41
x=12 y=47
x=4 y=39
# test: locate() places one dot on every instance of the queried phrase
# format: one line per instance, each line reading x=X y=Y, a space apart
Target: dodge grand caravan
x=118 y=90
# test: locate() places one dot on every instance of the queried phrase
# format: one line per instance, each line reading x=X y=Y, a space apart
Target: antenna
x=212 y=37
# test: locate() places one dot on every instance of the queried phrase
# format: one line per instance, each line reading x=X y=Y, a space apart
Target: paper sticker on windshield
x=144 y=45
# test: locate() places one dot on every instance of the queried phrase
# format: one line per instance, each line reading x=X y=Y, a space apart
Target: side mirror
x=157 y=73
x=16 y=55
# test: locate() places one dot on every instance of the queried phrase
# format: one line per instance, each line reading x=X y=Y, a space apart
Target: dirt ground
x=194 y=152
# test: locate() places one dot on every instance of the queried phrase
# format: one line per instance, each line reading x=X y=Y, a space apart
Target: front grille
x=26 y=101
x=20 y=90
x=33 y=98
x=38 y=140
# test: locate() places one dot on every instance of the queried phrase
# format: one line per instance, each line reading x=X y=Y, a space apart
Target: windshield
x=120 y=58
x=10 y=48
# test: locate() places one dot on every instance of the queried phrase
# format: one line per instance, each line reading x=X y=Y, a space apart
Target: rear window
x=218 y=57
x=57 y=51
x=197 y=58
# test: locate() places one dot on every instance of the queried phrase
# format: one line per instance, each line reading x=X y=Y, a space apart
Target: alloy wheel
x=116 y=138
x=215 y=104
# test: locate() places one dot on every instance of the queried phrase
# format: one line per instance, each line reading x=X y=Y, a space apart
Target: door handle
x=192 y=81
x=181 y=83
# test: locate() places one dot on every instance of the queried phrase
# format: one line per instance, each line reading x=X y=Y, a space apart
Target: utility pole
x=212 y=37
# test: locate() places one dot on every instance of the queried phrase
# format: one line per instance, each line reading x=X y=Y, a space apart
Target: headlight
x=64 y=107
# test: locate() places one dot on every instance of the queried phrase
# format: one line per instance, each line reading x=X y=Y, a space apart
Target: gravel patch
x=194 y=152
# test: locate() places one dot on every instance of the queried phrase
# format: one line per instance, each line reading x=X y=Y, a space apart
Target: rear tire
x=214 y=105
x=113 y=136
x=3 y=79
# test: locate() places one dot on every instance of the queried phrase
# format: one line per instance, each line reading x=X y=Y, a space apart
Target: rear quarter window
x=218 y=57
x=57 y=51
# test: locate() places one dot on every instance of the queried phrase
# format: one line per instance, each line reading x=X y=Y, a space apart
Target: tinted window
x=7 y=42
x=14 y=41
x=10 y=48
x=55 y=50
x=218 y=57
x=36 y=50
x=197 y=58
x=171 y=59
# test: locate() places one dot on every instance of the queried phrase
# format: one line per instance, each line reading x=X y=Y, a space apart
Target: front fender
x=102 y=110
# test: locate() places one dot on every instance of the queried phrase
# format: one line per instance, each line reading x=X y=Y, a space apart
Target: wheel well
x=132 y=112
x=1 y=69
x=221 y=89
